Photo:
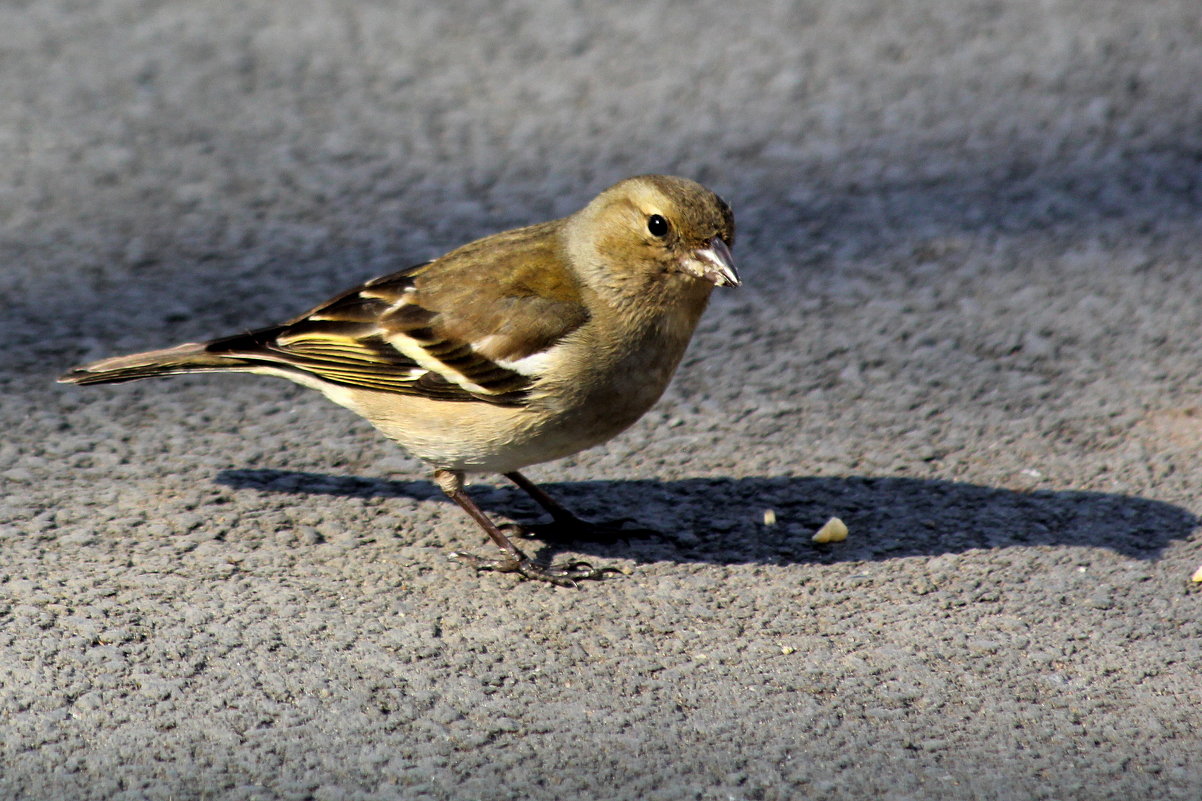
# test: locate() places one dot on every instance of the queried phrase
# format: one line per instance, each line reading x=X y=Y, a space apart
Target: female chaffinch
x=518 y=348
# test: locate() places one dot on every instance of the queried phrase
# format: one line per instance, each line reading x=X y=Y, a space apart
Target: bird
x=518 y=348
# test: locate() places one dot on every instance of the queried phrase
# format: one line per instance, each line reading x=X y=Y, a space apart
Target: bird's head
x=655 y=225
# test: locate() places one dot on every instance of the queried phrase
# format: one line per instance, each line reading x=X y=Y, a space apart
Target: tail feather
x=191 y=357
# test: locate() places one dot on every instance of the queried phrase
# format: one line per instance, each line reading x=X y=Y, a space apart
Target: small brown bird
x=518 y=348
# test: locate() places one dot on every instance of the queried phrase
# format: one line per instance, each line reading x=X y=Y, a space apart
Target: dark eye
x=657 y=225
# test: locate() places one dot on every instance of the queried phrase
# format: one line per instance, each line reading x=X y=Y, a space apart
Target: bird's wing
x=475 y=325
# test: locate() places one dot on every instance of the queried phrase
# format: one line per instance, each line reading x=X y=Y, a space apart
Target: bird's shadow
x=771 y=519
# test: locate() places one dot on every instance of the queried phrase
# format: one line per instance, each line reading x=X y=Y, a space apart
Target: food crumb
x=834 y=530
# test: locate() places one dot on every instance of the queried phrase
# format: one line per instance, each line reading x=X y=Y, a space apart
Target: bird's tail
x=191 y=357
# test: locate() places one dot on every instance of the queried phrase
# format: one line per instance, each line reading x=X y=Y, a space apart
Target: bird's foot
x=564 y=574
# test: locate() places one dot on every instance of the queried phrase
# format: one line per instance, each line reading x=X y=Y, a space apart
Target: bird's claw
x=564 y=574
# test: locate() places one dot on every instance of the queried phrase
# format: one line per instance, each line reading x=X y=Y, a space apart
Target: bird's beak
x=713 y=263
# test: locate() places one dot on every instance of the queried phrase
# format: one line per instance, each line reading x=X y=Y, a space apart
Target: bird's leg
x=559 y=513
x=512 y=560
x=564 y=519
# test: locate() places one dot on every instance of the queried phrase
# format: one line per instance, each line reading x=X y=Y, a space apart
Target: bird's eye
x=657 y=225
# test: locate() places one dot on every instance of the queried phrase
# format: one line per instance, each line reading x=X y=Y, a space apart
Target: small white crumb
x=834 y=530
x=1197 y=575
x=787 y=649
x=769 y=517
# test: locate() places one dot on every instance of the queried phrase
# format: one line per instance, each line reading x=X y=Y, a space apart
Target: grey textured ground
x=970 y=239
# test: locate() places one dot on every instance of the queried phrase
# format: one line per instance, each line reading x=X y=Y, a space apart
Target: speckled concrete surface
x=969 y=328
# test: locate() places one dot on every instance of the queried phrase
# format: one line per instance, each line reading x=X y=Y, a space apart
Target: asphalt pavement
x=969 y=328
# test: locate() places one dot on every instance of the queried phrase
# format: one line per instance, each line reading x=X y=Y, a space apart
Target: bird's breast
x=609 y=381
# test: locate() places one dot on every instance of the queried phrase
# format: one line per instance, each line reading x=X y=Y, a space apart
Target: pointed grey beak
x=714 y=263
